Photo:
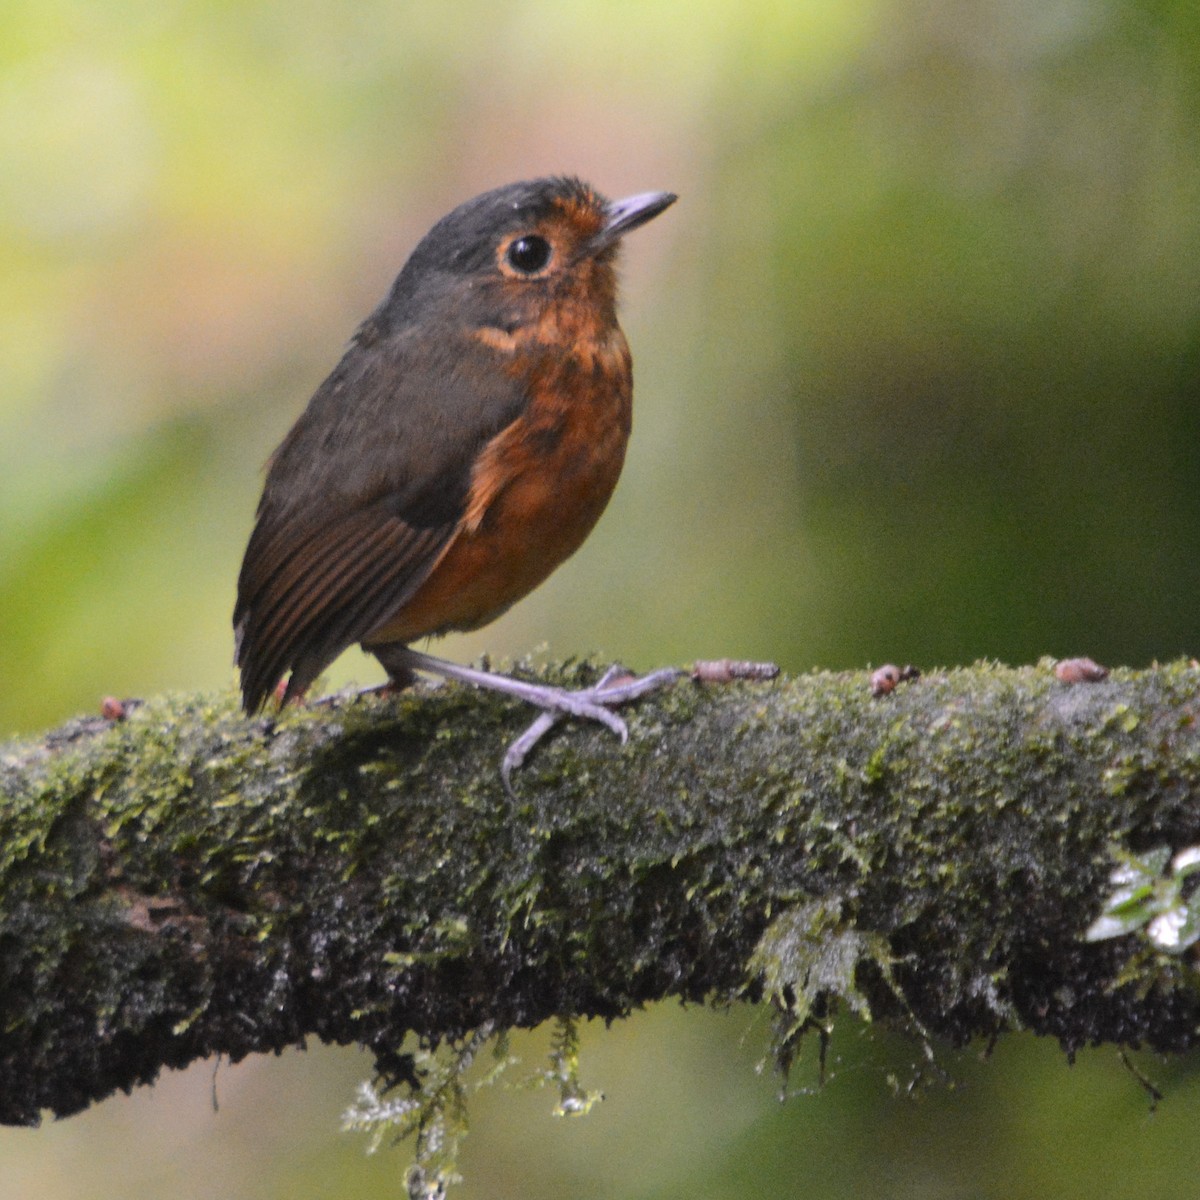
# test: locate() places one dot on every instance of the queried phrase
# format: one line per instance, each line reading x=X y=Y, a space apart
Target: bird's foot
x=595 y=703
x=616 y=687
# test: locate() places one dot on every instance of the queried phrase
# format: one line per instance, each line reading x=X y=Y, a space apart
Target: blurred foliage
x=918 y=356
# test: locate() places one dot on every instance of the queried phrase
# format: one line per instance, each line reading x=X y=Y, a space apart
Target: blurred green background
x=917 y=356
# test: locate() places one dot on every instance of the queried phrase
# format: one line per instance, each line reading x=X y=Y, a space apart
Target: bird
x=463 y=448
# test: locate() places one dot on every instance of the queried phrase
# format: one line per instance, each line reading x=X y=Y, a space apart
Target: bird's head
x=506 y=257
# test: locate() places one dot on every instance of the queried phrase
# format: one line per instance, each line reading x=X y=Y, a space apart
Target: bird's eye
x=529 y=254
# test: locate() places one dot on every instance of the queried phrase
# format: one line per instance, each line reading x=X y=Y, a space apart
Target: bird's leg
x=591 y=703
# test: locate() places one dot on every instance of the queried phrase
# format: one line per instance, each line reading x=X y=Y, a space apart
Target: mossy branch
x=188 y=882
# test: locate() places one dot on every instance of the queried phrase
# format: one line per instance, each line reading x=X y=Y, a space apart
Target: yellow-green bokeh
x=918 y=369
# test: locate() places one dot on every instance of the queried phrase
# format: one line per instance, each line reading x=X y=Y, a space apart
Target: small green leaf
x=1149 y=895
x=1176 y=928
x=1107 y=926
x=1164 y=931
x=1186 y=862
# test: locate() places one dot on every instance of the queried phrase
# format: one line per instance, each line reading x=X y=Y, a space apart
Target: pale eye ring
x=529 y=254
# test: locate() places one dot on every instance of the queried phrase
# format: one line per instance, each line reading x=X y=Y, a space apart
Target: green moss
x=357 y=871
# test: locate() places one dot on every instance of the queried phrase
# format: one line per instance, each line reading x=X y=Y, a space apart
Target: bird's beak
x=627 y=214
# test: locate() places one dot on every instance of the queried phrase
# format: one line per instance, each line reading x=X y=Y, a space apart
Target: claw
x=518 y=752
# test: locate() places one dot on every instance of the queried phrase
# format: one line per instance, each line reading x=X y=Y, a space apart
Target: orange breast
x=537 y=490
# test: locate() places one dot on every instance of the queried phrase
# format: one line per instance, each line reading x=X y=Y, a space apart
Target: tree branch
x=188 y=882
